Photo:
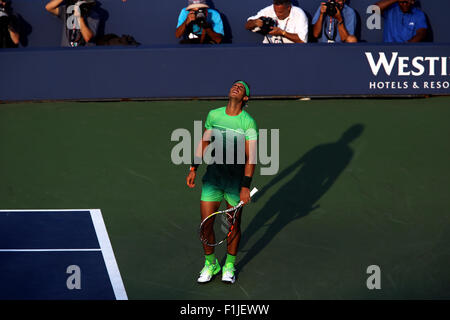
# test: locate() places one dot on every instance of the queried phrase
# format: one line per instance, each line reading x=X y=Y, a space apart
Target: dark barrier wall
x=153 y=22
x=189 y=72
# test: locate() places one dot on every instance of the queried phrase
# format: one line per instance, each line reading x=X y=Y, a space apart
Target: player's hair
x=248 y=85
x=244 y=104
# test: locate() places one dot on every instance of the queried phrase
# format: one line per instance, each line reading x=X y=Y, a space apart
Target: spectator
x=199 y=24
x=9 y=36
x=290 y=23
x=402 y=21
x=334 y=25
x=80 y=19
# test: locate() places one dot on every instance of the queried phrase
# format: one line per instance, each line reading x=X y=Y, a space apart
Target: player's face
x=237 y=91
x=282 y=10
x=405 y=5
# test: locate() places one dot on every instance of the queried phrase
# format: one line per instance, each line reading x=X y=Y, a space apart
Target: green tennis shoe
x=208 y=271
x=228 y=275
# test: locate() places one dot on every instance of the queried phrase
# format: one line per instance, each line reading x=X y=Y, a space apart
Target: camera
x=200 y=17
x=331 y=8
x=268 y=23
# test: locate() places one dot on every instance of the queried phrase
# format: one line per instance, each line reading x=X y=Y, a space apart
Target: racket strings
x=218 y=227
x=207 y=231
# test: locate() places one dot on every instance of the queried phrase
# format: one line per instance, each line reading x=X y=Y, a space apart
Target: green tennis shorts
x=211 y=192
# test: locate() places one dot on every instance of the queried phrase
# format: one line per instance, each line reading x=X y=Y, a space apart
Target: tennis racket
x=216 y=228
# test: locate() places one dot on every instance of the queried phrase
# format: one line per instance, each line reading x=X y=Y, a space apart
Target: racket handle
x=254 y=190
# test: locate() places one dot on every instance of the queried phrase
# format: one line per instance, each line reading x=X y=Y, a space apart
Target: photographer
x=334 y=21
x=9 y=36
x=199 y=24
x=280 y=23
x=80 y=21
x=402 y=21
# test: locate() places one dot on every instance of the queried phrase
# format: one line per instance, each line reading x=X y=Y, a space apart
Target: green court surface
x=378 y=196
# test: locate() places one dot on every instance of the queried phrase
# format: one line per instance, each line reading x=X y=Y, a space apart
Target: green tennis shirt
x=229 y=134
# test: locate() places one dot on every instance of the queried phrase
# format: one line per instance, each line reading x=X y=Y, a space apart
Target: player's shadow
x=318 y=169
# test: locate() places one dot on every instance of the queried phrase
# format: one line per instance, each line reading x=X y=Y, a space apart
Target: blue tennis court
x=57 y=254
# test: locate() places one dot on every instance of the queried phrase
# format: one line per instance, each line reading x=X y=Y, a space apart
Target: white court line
x=46 y=250
x=108 y=255
x=105 y=247
x=44 y=210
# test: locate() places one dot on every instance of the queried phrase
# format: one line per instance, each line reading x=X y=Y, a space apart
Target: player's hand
x=190 y=180
x=245 y=195
x=276 y=31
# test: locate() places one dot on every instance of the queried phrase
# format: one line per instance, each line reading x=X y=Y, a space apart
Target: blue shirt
x=213 y=18
x=401 y=27
x=330 y=27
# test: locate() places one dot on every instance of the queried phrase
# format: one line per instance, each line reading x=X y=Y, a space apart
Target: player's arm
x=249 y=169
x=52 y=6
x=198 y=155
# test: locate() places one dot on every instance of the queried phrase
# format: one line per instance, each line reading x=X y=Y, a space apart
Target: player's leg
x=210 y=202
x=233 y=240
x=206 y=209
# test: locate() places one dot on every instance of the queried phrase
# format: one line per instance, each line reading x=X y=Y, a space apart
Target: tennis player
x=226 y=181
